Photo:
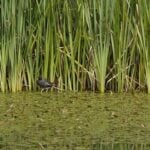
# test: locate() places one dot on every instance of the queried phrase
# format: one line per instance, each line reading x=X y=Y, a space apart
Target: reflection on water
x=74 y=121
x=120 y=146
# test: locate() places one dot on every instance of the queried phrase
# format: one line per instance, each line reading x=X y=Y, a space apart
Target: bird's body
x=44 y=84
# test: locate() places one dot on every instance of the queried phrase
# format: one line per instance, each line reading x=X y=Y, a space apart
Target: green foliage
x=93 y=45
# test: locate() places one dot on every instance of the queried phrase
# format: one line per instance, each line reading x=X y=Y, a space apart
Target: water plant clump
x=99 y=45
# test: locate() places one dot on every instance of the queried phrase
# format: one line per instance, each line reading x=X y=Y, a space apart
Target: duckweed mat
x=74 y=121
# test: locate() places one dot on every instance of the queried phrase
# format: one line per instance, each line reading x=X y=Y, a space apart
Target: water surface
x=74 y=121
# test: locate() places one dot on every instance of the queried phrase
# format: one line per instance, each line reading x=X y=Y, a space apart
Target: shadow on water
x=74 y=121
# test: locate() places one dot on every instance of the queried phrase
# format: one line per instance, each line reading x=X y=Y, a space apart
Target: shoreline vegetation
x=99 y=45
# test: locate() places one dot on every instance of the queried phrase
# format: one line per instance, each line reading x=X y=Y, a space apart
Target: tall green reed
x=97 y=45
x=123 y=43
x=101 y=36
x=142 y=27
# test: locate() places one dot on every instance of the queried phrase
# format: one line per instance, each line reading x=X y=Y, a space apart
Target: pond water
x=74 y=121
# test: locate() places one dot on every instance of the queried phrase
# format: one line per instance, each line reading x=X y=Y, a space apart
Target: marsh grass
x=95 y=45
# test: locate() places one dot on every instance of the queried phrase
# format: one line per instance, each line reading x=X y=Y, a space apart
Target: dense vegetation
x=88 y=45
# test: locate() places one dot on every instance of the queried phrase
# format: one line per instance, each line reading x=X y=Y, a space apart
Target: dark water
x=74 y=121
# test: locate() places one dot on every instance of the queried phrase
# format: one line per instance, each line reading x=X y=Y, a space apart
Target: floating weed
x=70 y=120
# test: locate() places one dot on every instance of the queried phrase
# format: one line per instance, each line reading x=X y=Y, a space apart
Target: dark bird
x=44 y=84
